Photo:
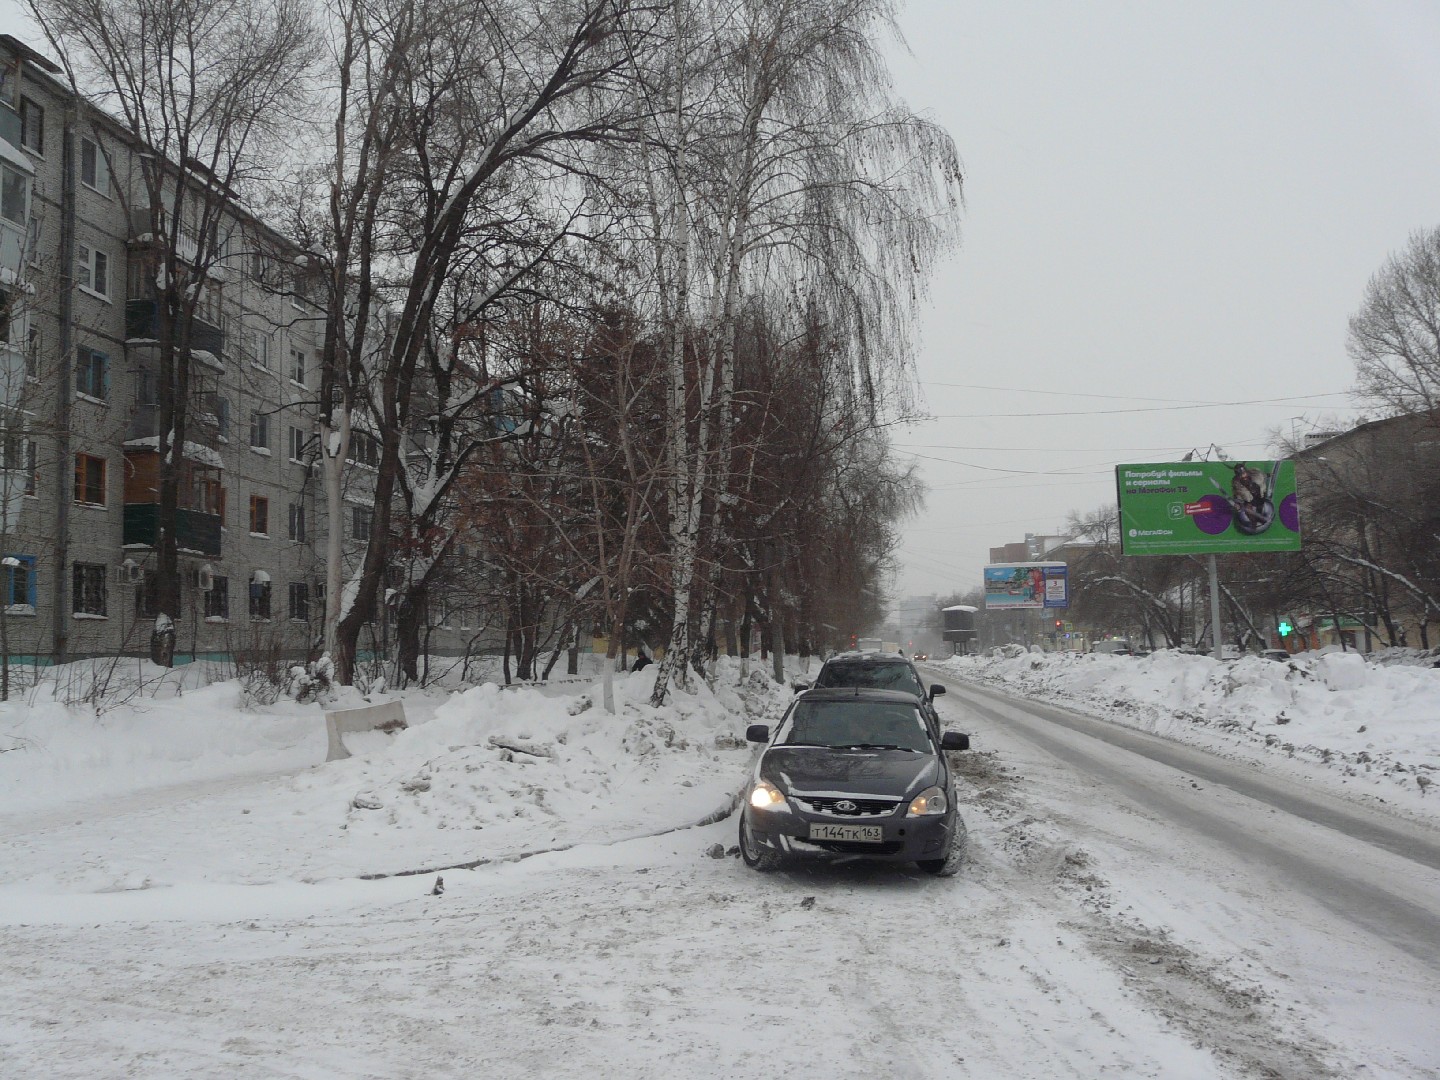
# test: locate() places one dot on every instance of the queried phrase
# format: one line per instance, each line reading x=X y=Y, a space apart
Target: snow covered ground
x=1368 y=730
x=187 y=889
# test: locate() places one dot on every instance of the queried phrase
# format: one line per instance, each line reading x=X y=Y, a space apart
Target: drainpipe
x=60 y=625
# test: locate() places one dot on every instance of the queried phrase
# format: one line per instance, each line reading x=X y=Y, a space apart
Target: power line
x=1115 y=412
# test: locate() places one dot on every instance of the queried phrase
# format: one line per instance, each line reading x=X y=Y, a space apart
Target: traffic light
x=1284 y=628
x=1059 y=623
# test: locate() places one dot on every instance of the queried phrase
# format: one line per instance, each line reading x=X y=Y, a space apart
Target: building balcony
x=194 y=531
x=142 y=320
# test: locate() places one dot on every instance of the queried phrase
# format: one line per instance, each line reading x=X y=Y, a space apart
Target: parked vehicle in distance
x=853 y=773
x=1115 y=646
x=879 y=671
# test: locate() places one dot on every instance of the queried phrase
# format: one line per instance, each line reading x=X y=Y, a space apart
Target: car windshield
x=857 y=723
x=871 y=676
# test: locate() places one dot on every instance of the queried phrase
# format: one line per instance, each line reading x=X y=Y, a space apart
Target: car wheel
x=950 y=865
x=754 y=857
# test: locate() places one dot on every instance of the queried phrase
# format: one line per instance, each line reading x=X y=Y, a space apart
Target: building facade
x=80 y=408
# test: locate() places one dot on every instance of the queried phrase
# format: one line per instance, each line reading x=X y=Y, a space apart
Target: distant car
x=1115 y=646
x=880 y=671
x=853 y=773
x=920 y=656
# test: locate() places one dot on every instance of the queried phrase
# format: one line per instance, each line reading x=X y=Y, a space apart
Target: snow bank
x=1362 y=723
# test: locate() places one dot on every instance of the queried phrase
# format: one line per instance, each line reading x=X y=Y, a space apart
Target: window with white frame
x=14 y=187
x=93 y=270
x=299 y=439
x=260 y=347
x=364 y=449
x=297 y=522
x=259 y=430
x=297 y=366
x=92 y=373
x=19 y=462
x=94 y=173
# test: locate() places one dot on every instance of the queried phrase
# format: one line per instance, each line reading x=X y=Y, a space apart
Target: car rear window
x=856 y=723
x=871 y=677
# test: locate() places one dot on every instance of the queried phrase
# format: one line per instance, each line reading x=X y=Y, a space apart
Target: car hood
x=819 y=770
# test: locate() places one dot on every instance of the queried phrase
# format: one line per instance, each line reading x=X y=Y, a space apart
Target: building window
x=361 y=520
x=298 y=440
x=32 y=126
x=93 y=171
x=92 y=373
x=13 y=188
x=32 y=353
x=260 y=599
x=88 y=594
x=93 y=270
x=222 y=418
x=364 y=449
x=217 y=599
x=89 y=480
x=297 y=366
x=19 y=581
x=147 y=595
x=260 y=430
x=210 y=498
x=259 y=515
x=18 y=457
x=260 y=348
x=297 y=522
x=299 y=600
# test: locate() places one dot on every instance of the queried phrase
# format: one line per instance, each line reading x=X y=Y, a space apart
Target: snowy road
x=1120 y=917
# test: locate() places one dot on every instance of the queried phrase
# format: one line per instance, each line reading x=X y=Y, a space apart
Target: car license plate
x=864 y=833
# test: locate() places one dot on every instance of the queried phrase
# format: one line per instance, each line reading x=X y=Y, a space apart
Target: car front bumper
x=904 y=839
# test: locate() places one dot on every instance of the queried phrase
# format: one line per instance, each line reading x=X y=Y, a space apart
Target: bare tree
x=1395 y=336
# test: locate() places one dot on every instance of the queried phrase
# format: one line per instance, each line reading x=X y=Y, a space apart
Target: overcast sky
x=1167 y=204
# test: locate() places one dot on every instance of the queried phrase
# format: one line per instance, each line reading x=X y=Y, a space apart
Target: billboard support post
x=1215 y=635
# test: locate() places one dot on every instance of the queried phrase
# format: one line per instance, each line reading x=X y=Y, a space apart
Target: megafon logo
x=1134 y=533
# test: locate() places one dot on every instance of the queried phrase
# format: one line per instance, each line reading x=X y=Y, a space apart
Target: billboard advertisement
x=1017 y=586
x=1207 y=507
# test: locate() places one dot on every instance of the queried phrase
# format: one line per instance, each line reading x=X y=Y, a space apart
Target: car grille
x=863 y=807
x=858 y=847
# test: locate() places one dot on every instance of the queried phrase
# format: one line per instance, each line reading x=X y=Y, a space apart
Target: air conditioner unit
x=129 y=572
x=205 y=578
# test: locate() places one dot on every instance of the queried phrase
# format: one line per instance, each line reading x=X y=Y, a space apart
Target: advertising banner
x=1207 y=507
x=1016 y=586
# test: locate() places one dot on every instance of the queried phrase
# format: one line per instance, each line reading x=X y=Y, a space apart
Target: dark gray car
x=880 y=671
x=853 y=773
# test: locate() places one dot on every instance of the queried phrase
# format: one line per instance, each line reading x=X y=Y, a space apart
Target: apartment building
x=79 y=411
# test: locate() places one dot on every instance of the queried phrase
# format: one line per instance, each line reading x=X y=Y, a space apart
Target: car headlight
x=929 y=803
x=766 y=796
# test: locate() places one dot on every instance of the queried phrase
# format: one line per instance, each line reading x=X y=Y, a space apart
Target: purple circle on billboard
x=1290 y=513
x=1216 y=517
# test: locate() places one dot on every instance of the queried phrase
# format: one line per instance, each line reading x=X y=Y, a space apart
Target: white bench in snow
x=386 y=716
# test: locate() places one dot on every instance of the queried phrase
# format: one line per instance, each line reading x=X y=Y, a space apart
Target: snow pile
x=1373 y=722
x=480 y=774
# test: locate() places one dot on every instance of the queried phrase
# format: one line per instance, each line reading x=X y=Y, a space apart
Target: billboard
x=1207 y=507
x=1017 y=586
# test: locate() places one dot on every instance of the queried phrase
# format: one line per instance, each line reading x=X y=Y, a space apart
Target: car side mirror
x=936 y=690
x=799 y=687
x=954 y=740
x=758 y=733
